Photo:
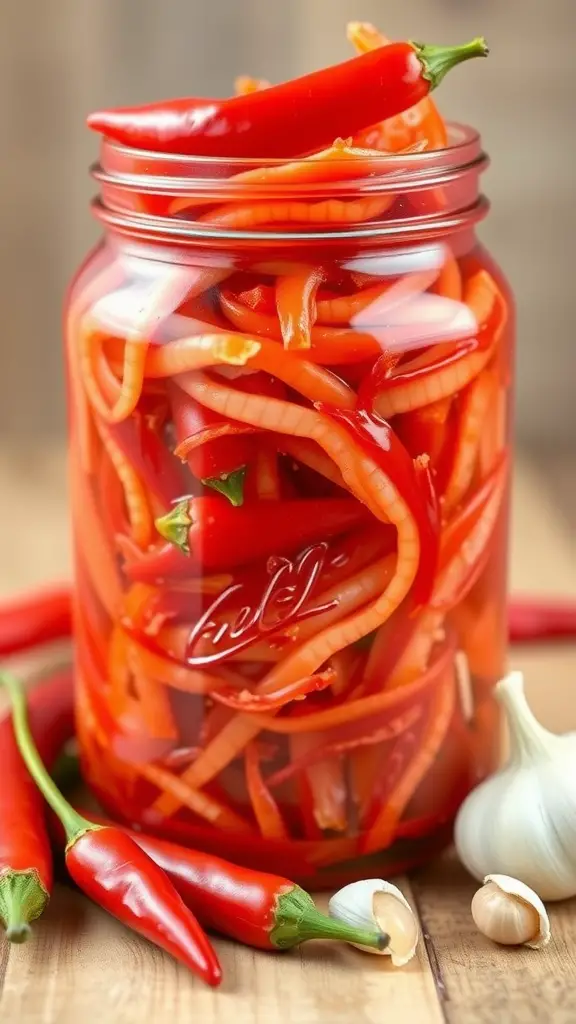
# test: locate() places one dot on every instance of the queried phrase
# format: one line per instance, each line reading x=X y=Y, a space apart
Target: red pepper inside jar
x=290 y=390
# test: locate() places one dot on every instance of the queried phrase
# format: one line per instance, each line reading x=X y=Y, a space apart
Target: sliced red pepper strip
x=346 y=738
x=319 y=107
x=149 y=457
x=329 y=346
x=379 y=441
x=217 y=451
x=221 y=537
x=423 y=431
x=327 y=786
x=162 y=562
x=244 y=700
x=462 y=558
x=296 y=305
x=440 y=713
x=265 y=808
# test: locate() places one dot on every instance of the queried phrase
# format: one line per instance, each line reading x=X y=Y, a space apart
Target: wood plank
x=81 y=965
x=485 y=983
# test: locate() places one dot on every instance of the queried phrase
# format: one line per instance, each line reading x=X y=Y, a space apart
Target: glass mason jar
x=290 y=399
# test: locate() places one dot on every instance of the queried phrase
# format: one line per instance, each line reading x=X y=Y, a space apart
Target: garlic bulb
x=521 y=821
x=374 y=903
x=508 y=912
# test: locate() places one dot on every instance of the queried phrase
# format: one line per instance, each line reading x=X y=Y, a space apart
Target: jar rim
x=193 y=181
x=168 y=174
x=461 y=136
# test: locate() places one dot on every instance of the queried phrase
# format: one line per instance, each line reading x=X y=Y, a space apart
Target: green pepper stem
x=231 y=485
x=436 y=61
x=297 y=920
x=23 y=898
x=174 y=526
x=74 y=824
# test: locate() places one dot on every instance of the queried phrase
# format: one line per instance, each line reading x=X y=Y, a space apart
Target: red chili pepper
x=35 y=619
x=112 y=869
x=412 y=480
x=545 y=619
x=25 y=858
x=466 y=538
x=217 y=450
x=220 y=537
x=257 y=909
x=297 y=117
x=143 y=447
x=423 y=431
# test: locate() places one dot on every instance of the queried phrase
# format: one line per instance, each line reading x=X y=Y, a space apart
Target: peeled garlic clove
x=373 y=903
x=510 y=913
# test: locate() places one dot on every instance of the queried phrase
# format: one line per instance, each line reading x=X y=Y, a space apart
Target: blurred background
x=60 y=60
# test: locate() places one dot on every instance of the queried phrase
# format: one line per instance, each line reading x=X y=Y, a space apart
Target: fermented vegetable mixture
x=289 y=386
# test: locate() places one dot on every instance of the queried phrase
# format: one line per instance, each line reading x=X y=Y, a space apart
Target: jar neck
x=333 y=208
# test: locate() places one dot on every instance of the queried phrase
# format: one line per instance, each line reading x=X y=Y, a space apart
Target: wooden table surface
x=82 y=966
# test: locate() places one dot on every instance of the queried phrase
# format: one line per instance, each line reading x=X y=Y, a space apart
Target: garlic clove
x=521 y=821
x=374 y=903
x=510 y=913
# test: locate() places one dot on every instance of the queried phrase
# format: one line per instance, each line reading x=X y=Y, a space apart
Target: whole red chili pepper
x=544 y=619
x=411 y=479
x=258 y=909
x=297 y=117
x=217 y=450
x=220 y=537
x=35 y=619
x=113 y=871
x=25 y=857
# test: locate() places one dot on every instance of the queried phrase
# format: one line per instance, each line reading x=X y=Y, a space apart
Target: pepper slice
x=376 y=437
x=216 y=450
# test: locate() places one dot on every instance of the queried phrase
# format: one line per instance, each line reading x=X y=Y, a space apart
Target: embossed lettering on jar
x=290 y=403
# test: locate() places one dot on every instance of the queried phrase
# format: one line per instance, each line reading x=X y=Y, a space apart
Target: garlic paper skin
x=521 y=821
x=373 y=903
x=508 y=912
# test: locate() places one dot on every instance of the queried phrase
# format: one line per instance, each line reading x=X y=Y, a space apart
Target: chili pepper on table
x=336 y=102
x=257 y=909
x=25 y=858
x=112 y=869
x=222 y=537
x=35 y=618
x=541 y=619
x=216 y=450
